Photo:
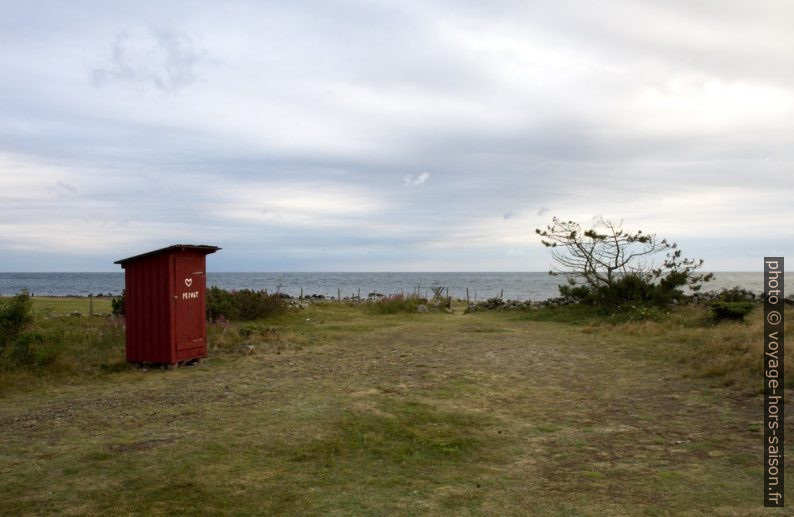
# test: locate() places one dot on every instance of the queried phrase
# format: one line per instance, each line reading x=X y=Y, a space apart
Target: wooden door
x=189 y=288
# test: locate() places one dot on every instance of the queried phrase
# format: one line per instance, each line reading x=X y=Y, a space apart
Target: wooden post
x=501 y=294
x=338 y=294
x=301 y=293
x=475 y=296
x=467 y=297
x=359 y=293
x=90 y=304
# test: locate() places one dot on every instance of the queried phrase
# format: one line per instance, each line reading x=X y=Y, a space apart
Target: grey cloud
x=510 y=107
x=64 y=188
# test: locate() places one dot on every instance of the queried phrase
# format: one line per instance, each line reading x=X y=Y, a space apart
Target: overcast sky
x=391 y=136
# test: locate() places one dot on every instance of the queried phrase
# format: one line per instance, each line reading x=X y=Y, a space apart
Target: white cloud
x=410 y=181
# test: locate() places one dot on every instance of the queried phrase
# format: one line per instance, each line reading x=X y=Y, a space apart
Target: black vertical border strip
x=774 y=295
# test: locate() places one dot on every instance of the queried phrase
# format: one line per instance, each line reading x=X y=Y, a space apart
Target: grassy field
x=71 y=304
x=339 y=411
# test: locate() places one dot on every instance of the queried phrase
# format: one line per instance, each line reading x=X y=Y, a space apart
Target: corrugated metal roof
x=198 y=247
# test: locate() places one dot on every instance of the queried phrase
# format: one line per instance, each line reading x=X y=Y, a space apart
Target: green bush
x=20 y=352
x=723 y=310
x=15 y=315
x=34 y=348
x=117 y=304
x=736 y=294
x=242 y=305
x=631 y=291
x=577 y=294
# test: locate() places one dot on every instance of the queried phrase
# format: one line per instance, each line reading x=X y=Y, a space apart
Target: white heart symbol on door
x=188 y=282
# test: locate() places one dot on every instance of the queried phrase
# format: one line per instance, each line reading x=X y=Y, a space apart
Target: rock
x=247 y=349
x=75 y=314
x=422 y=308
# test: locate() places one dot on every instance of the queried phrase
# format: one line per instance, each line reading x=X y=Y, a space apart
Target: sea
x=514 y=286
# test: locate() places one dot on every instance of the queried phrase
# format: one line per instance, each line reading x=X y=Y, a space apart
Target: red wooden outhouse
x=165 y=305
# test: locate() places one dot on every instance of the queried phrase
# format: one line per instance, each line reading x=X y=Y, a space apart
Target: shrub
x=242 y=305
x=117 y=304
x=219 y=304
x=736 y=294
x=33 y=348
x=723 y=310
x=20 y=352
x=576 y=294
x=628 y=290
x=15 y=315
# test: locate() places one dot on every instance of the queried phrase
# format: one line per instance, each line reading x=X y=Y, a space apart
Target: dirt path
x=446 y=414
